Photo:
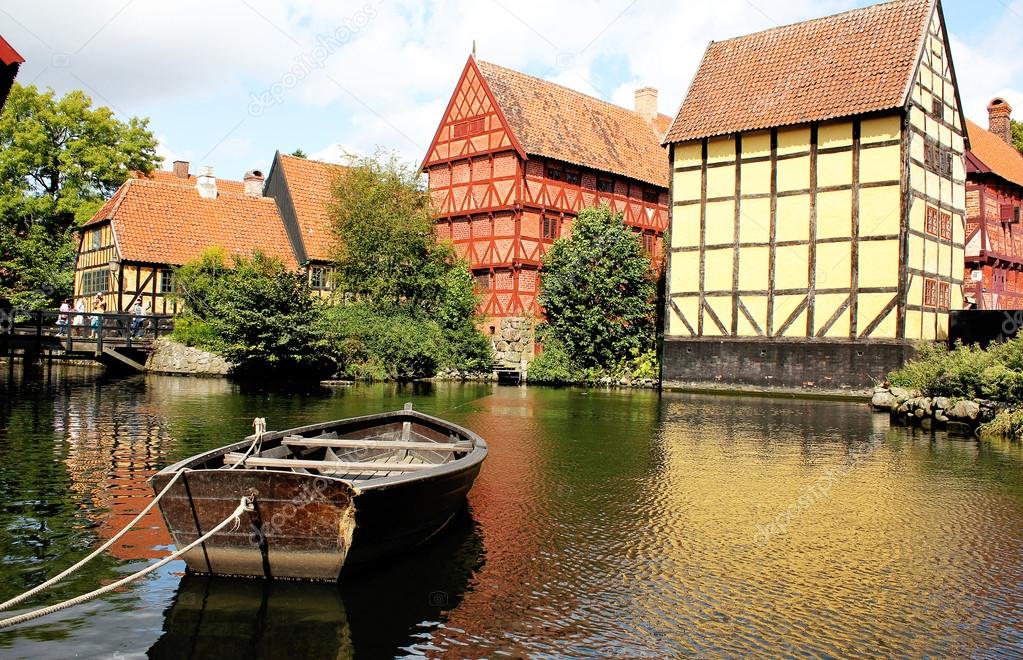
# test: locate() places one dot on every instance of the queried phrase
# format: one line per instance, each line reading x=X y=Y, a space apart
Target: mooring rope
x=235 y=517
x=60 y=576
x=259 y=426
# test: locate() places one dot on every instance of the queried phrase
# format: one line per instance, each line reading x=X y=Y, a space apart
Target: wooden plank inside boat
x=376 y=444
x=337 y=466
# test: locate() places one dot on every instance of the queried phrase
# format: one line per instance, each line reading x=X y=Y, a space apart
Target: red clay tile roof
x=847 y=64
x=310 y=182
x=165 y=176
x=556 y=122
x=7 y=53
x=168 y=223
x=998 y=156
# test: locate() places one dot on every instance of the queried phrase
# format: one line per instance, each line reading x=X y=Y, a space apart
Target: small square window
x=550 y=227
x=605 y=185
x=166 y=280
x=650 y=196
x=930 y=293
x=572 y=177
x=555 y=174
x=938 y=107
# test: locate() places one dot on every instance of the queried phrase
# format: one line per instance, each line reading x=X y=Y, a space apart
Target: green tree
x=59 y=158
x=1017 y=134
x=298 y=153
x=389 y=260
x=386 y=250
x=257 y=313
x=598 y=292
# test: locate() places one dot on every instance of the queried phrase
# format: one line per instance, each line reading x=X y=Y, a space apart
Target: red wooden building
x=515 y=158
x=10 y=61
x=994 y=199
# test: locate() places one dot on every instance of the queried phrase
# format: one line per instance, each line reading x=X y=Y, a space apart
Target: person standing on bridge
x=137 y=318
x=79 y=321
x=64 y=318
x=99 y=306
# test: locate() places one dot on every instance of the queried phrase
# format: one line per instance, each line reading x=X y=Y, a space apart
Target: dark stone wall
x=781 y=363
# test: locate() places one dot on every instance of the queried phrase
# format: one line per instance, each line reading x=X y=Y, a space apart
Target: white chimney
x=253 y=183
x=206 y=184
x=646 y=102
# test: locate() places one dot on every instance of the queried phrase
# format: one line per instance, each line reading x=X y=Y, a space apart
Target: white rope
x=60 y=576
x=235 y=517
x=259 y=425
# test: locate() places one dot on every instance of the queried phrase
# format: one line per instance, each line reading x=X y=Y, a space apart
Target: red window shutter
x=1008 y=212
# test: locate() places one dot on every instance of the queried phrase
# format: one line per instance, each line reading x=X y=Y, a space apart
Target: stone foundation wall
x=170 y=357
x=513 y=343
x=788 y=363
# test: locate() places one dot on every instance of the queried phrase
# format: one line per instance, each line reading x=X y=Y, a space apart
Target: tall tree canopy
x=59 y=158
x=598 y=291
x=391 y=269
x=386 y=248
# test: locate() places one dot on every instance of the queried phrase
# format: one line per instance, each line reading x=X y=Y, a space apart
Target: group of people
x=74 y=319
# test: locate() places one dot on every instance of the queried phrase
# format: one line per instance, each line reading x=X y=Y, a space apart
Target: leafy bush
x=554 y=366
x=965 y=371
x=193 y=331
x=257 y=314
x=363 y=343
x=1006 y=424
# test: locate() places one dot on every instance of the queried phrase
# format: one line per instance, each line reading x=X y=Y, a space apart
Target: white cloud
x=382 y=71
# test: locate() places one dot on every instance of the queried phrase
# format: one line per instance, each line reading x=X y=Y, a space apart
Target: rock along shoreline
x=909 y=407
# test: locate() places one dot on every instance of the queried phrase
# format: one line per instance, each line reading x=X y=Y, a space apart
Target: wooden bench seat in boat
x=296 y=441
x=233 y=458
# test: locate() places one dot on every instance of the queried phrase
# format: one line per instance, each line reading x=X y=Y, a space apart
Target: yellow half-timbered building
x=818 y=201
x=153 y=223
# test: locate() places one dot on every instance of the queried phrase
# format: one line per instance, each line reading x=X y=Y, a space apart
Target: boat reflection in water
x=375 y=609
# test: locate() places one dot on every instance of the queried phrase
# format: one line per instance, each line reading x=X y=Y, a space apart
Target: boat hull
x=303 y=525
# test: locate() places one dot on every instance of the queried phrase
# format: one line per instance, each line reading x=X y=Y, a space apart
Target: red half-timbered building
x=994 y=205
x=515 y=159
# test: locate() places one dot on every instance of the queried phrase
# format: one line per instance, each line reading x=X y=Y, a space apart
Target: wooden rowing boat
x=324 y=496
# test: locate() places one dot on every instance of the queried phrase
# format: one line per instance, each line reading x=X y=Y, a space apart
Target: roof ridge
x=121 y=193
x=311 y=160
x=566 y=88
x=146 y=177
x=169 y=184
x=779 y=28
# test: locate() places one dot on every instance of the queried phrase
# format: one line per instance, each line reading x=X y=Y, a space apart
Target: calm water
x=604 y=524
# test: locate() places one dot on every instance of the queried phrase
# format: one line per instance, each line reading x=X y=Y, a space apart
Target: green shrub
x=192 y=331
x=365 y=343
x=1006 y=424
x=645 y=365
x=553 y=366
x=965 y=371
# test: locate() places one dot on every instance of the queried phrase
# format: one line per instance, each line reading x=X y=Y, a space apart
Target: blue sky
x=227 y=83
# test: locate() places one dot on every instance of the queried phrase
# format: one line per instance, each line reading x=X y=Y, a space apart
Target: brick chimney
x=998 y=112
x=206 y=184
x=646 y=102
x=181 y=169
x=253 y=183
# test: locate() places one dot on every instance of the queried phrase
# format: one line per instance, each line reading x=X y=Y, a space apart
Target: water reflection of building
x=113 y=448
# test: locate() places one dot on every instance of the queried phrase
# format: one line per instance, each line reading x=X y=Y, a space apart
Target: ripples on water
x=604 y=524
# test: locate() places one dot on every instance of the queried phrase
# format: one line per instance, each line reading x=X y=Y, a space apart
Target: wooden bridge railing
x=71 y=329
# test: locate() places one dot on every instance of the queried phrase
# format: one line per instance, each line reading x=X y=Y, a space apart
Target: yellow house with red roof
x=155 y=222
x=818 y=201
